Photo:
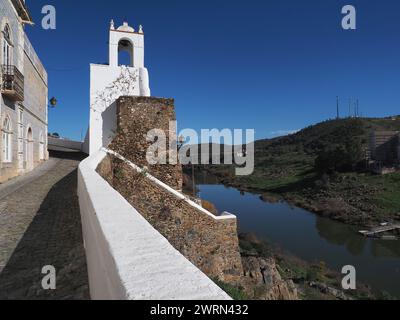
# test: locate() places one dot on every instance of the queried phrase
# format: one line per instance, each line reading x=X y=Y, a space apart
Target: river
x=311 y=237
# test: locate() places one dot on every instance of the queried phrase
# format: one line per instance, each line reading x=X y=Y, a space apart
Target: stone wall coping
x=179 y=195
x=127 y=258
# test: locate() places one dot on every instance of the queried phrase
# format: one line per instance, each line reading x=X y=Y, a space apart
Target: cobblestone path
x=40 y=225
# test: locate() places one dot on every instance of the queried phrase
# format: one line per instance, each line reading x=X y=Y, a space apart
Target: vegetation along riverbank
x=326 y=169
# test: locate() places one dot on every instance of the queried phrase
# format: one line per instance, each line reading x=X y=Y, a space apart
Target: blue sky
x=274 y=66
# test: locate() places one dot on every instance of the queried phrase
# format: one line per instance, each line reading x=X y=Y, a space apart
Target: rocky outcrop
x=325 y=289
x=262 y=280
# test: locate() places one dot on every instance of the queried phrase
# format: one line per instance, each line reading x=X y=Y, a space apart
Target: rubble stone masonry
x=136 y=116
x=210 y=243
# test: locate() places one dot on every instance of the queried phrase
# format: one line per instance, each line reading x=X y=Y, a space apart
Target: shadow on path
x=68 y=155
x=53 y=238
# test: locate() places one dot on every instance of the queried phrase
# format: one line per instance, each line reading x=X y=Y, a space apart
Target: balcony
x=12 y=83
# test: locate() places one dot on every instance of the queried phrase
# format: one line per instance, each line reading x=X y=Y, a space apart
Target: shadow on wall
x=9 y=103
x=67 y=155
x=109 y=124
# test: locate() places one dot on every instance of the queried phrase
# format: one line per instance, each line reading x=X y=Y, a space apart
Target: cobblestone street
x=40 y=225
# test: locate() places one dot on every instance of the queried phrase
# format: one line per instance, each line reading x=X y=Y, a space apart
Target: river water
x=311 y=237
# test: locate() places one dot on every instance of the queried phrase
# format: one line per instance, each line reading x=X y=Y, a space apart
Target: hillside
x=285 y=167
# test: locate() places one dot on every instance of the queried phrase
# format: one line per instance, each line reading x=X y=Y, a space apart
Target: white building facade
x=24 y=92
x=113 y=80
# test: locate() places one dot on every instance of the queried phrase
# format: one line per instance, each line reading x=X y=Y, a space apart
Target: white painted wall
x=55 y=144
x=136 y=39
x=127 y=258
x=86 y=143
x=109 y=82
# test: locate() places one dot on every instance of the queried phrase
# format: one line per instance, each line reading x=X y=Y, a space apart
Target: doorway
x=29 y=150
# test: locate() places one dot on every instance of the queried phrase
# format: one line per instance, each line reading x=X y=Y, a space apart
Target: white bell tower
x=110 y=81
x=126 y=39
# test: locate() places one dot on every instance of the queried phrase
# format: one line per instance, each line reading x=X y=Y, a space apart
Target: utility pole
x=349 y=107
x=358 y=108
x=355 y=110
x=337 y=108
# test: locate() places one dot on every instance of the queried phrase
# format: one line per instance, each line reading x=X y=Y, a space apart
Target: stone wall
x=34 y=106
x=9 y=16
x=136 y=116
x=127 y=258
x=34 y=109
x=210 y=243
x=35 y=91
x=8 y=170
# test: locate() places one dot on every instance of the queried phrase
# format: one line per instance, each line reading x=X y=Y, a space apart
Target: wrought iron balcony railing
x=12 y=83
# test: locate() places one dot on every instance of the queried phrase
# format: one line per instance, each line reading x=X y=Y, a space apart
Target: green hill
x=286 y=167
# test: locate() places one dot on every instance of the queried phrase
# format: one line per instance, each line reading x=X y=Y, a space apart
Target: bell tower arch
x=125 y=38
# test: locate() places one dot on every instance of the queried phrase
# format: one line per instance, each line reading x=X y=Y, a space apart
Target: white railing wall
x=127 y=258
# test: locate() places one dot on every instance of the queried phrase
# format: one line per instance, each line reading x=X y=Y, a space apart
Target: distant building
x=23 y=100
x=385 y=147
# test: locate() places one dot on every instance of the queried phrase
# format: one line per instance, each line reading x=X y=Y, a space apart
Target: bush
x=209 y=206
x=340 y=157
x=234 y=292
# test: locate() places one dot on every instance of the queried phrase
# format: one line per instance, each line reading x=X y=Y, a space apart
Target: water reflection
x=311 y=237
x=339 y=234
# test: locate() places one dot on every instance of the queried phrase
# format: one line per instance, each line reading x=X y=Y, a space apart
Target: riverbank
x=273 y=274
x=360 y=199
x=291 y=168
x=309 y=237
x=314 y=281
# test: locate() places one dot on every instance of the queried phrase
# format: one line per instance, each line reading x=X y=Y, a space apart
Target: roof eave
x=23 y=11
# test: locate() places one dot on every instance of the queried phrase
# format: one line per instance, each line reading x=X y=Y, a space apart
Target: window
x=20 y=116
x=21 y=131
x=7 y=33
x=29 y=149
x=7 y=46
x=7 y=137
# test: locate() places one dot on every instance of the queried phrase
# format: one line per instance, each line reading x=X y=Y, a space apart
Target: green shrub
x=234 y=292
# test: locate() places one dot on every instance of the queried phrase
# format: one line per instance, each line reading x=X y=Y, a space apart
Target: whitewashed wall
x=111 y=81
x=127 y=258
x=56 y=144
x=86 y=143
x=107 y=84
